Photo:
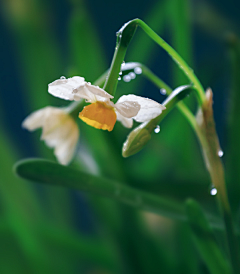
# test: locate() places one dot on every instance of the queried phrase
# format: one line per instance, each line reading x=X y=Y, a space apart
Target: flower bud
x=136 y=140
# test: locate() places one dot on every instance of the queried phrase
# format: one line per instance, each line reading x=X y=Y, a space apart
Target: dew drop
x=126 y=78
x=163 y=91
x=213 y=191
x=62 y=77
x=220 y=153
x=132 y=75
x=119 y=78
x=138 y=70
x=120 y=73
x=157 y=129
x=123 y=63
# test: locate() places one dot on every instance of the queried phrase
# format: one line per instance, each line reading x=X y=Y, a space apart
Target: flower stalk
x=124 y=36
x=210 y=146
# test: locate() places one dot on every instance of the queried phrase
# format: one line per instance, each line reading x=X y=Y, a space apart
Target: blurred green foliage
x=41 y=226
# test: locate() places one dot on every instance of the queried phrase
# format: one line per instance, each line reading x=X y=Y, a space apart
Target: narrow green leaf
x=205 y=240
x=48 y=172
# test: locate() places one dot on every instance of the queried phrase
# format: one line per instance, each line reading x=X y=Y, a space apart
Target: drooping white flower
x=102 y=113
x=59 y=131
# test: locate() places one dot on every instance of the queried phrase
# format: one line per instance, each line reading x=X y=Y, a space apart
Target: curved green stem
x=140 y=136
x=177 y=58
x=124 y=36
x=161 y=84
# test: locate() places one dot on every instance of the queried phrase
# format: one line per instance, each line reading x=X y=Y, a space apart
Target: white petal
x=59 y=131
x=84 y=93
x=127 y=109
x=98 y=91
x=36 y=119
x=63 y=88
x=149 y=108
x=91 y=93
x=65 y=150
x=126 y=122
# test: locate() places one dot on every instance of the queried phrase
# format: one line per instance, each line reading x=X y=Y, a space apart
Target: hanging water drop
x=119 y=78
x=132 y=75
x=126 y=78
x=213 y=191
x=163 y=91
x=220 y=153
x=120 y=73
x=62 y=77
x=157 y=129
x=138 y=70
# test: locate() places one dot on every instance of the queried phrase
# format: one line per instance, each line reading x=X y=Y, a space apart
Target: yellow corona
x=99 y=115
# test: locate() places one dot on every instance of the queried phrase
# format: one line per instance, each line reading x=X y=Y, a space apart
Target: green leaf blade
x=48 y=172
x=205 y=240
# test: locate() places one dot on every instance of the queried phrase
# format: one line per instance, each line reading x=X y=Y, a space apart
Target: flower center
x=99 y=115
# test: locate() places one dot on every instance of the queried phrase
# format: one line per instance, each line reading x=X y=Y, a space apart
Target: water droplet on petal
x=119 y=78
x=213 y=191
x=220 y=153
x=163 y=91
x=157 y=129
x=132 y=75
x=138 y=70
x=62 y=77
x=126 y=78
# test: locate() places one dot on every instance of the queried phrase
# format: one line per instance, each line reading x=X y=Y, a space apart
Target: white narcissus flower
x=102 y=113
x=59 y=131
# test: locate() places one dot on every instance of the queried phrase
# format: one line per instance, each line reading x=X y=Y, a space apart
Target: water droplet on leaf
x=119 y=78
x=220 y=153
x=163 y=91
x=132 y=75
x=157 y=129
x=138 y=70
x=126 y=78
x=62 y=77
x=120 y=73
x=213 y=191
